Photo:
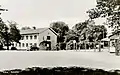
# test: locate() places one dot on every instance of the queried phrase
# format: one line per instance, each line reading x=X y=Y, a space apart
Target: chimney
x=34 y=27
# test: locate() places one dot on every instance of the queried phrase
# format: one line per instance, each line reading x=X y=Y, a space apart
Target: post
x=95 y=46
x=100 y=46
x=109 y=46
x=74 y=44
x=117 y=47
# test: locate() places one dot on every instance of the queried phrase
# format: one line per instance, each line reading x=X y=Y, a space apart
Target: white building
x=37 y=37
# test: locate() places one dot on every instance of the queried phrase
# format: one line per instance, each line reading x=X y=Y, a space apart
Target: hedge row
x=60 y=71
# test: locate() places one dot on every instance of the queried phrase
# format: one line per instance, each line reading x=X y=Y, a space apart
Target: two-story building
x=41 y=37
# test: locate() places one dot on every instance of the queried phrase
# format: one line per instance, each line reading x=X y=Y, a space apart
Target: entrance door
x=49 y=45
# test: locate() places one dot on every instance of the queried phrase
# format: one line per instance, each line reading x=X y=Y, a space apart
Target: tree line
x=110 y=10
x=86 y=30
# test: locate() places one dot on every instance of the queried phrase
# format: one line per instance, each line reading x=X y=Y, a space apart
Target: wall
x=29 y=41
x=45 y=33
x=53 y=37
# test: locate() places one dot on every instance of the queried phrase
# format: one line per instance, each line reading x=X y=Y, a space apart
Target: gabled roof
x=36 y=31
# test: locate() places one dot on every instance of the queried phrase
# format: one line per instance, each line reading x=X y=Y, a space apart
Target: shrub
x=34 y=48
x=1 y=47
x=13 y=48
x=63 y=46
x=60 y=71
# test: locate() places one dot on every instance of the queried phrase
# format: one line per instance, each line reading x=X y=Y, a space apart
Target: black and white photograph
x=59 y=37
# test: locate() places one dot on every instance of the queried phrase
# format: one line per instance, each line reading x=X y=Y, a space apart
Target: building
x=41 y=38
x=113 y=39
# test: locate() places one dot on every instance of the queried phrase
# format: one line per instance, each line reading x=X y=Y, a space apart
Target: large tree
x=109 y=9
x=61 y=28
x=14 y=32
x=88 y=31
x=72 y=35
x=9 y=33
x=83 y=30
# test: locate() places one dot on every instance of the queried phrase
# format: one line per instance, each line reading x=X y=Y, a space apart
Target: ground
x=25 y=59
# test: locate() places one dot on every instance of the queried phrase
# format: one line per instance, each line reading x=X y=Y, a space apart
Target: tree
x=61 y=28
x=99 y=32
x=83 y=29
x=90 y=32
x=109 y=9
x=14 y=32
x=2 y=29
x=9 y=34
x=71 y=35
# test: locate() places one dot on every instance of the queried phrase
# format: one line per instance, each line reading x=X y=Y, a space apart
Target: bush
x=60 y=71
x=13 y=48
x=63 y=46
x=1 y=47
x=34 y=48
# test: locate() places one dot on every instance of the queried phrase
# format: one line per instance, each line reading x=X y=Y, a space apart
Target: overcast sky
x=41 y=13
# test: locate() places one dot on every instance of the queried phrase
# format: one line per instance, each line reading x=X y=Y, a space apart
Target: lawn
x=25 y=59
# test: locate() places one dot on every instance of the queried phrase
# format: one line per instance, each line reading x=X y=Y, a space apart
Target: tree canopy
x=87 y=30
x=61 y=28
x=109 y=9
x=9 y=33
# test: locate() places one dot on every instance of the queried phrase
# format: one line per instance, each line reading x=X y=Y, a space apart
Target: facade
x=41 y=38
x=113 y=39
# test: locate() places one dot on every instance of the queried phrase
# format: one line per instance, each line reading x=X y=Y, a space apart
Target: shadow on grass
x=60 y=71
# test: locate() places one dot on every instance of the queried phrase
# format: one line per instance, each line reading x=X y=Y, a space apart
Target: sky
x=41 y=13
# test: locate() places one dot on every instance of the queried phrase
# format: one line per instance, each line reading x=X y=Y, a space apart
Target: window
x=43 y=37
x=22 y=38
x=23 y=44
x=35 y=37
x=13 y=44
x=48 y=37
x=30 y=37
x=26 y=44
x=35 y=44
x=16 y=44
x=30 y=44
x=19 y=44
x=27 y=37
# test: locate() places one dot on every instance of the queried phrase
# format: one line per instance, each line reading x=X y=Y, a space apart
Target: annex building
x=41 y=38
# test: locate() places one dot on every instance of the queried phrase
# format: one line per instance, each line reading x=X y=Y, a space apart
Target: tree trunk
x=85 y=45
x=94 y=46
x=7 y=47
x=117 y=46
x=100 y=46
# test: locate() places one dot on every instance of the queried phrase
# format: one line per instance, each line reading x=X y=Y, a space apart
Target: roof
x=36 y=31
x=114 y=37
x=105 y=39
